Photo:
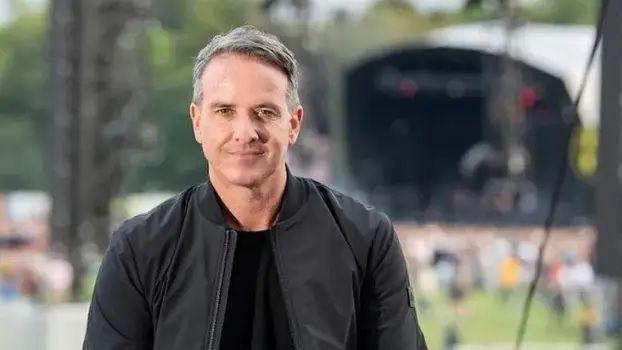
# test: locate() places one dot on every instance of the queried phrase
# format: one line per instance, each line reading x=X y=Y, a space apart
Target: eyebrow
x=221 y=105
x=267 y=105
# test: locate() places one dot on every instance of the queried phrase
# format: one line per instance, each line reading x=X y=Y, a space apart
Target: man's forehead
x=235 y=66
x=228 y=78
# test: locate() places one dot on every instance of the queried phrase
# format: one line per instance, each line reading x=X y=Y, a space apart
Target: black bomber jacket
x=164 y=278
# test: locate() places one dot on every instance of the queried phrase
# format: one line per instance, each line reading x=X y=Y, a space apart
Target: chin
x=246 y=177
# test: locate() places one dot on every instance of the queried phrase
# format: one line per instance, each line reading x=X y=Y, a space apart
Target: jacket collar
x=294 y=197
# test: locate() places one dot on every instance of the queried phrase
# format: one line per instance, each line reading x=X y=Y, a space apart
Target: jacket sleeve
x=119 y=315
x=389 y=319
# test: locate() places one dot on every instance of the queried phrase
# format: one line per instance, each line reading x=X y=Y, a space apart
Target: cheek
x=282 y=144
x=213 y=137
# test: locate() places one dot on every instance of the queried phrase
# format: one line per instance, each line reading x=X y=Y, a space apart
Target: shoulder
x=364 y=218
x=155 y=227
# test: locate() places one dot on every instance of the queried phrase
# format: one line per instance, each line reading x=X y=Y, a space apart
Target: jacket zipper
x=292 y=324
x=224 y=275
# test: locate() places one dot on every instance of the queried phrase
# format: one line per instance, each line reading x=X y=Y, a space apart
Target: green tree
x=175 y=160
x=23 y=104
x=563 y=12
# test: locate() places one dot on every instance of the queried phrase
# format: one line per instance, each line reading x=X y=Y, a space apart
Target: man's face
x=242 y=121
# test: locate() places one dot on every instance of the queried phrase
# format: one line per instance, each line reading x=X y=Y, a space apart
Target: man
x=255 y=258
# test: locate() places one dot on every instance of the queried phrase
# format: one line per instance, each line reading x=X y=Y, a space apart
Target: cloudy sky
x=321 y=8
x=5 y=13
x=358 y=5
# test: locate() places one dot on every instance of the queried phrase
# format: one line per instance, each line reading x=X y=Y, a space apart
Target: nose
x=245 y=130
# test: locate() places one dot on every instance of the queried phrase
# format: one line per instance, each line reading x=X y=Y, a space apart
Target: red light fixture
x=408 y=88
x=528 y=97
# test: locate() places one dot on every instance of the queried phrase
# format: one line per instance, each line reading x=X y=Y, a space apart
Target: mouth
x=247 y=156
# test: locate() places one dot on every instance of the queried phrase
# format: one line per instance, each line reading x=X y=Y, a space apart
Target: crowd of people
x=27 y=269
x=455 y=261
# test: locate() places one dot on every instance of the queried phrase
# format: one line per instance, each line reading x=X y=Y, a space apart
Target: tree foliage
x=24 y=124
x=175 y=160
x=171 y=159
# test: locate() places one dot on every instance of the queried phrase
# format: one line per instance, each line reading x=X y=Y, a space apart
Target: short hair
x=249 y=41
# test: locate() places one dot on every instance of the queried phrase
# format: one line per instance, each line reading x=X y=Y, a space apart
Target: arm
x=119 y=315
x=388 y=319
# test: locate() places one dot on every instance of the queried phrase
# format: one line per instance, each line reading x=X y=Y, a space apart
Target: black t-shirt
x=238 y=327
x=255 y=316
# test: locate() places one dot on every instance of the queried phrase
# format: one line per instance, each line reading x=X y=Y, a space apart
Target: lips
x=246 y=154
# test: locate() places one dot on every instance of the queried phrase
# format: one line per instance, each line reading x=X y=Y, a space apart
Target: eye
x=224 y=111
x=266 y=113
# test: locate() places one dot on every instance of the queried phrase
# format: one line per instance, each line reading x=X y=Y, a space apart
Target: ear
x=195 y=118
x=295 y=124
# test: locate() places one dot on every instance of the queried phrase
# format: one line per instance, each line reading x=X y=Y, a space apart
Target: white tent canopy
x=560 y=50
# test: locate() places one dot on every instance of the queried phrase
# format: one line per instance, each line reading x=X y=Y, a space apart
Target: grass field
x=487 y=319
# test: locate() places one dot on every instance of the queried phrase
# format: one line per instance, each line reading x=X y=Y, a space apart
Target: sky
x=321 y=9
x=5 y=9
x=422 y=5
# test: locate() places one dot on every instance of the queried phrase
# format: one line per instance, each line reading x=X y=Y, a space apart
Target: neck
x=251 y=208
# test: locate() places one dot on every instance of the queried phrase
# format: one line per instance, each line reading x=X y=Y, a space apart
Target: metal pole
x=609 y=184
x=609 y=174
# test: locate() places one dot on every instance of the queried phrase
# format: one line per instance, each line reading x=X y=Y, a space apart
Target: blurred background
x=451 y=116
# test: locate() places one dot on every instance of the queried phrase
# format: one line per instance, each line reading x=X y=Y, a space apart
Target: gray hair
x=247 y=40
